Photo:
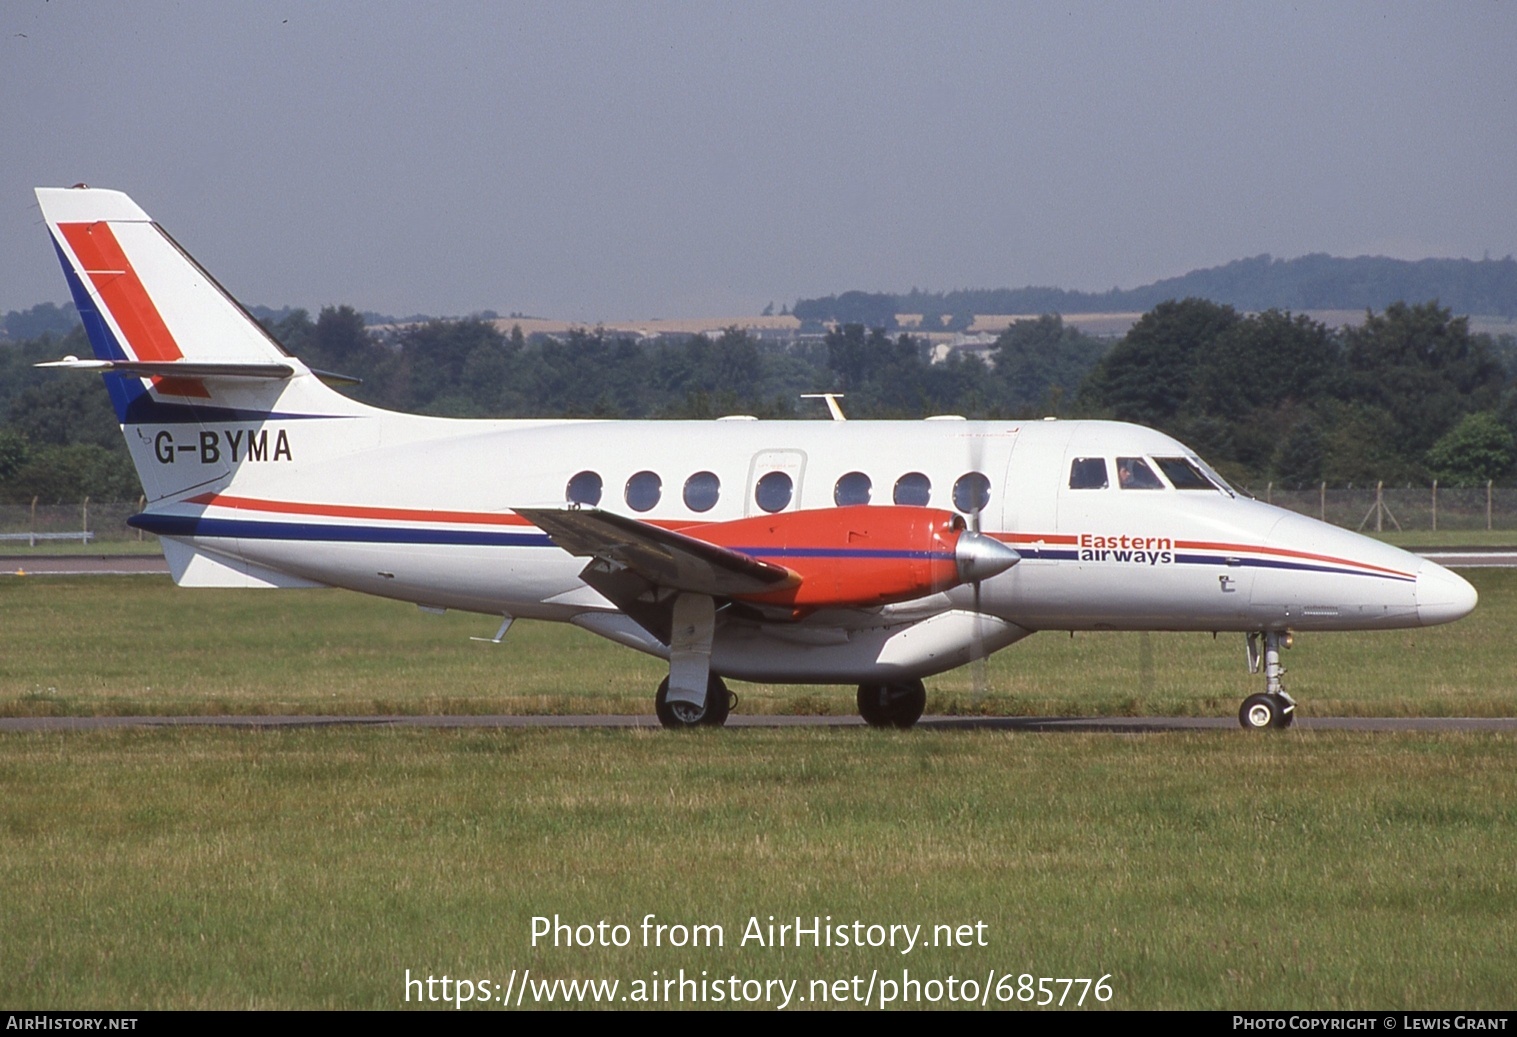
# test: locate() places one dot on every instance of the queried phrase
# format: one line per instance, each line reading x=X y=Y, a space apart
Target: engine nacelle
x=862 y=556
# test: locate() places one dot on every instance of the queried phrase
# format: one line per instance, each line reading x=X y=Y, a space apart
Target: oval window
x=774 y=491
x=914 y=489
x=853 y=488
x=584 y=488
x=971 y=493
x=701 y=491
x=643 y=491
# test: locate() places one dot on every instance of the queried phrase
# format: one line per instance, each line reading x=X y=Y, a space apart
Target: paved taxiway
x=1110 y=725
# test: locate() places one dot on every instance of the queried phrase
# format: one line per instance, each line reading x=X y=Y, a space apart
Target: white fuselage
x=402 y=507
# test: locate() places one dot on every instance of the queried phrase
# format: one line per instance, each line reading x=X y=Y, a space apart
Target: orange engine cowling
x=861 y=556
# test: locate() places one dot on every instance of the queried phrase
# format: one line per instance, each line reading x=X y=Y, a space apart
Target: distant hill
x=1314 y=282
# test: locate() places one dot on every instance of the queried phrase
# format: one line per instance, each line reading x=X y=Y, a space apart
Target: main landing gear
x=677 y=714
x=1274 y=708
x=892 y=705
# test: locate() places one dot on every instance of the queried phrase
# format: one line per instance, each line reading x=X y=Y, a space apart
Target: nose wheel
x=713 y=713
x=1275 y=708
x=1260 y=712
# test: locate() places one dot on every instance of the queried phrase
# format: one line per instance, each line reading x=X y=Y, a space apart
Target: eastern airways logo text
x=1132 y=550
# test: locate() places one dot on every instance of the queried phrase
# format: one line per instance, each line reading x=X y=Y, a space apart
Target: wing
x=639 y=567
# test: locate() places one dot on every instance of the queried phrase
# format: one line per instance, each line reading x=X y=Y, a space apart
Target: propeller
x=980 y=556
x=978 y=667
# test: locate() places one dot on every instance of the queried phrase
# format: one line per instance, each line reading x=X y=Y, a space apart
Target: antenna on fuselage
x=832 y=402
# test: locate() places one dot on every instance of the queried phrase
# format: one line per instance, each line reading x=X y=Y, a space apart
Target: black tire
x=892 y=705
x=1261 y=712
x=680 y=715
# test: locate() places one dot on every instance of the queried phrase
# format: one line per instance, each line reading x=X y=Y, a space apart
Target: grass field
x=138 y=645
x=217 y=868
x=312 y=868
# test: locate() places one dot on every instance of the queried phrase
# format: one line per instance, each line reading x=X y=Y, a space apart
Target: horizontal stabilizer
x=173 y=368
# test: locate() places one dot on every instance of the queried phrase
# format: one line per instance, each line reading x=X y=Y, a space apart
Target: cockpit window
x=1211 y=473
x=1133 y=473
x=1182 y=474
x=1088 y=473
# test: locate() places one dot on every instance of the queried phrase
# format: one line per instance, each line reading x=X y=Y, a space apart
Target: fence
x=1379 y=508
x=26 y=525
x=1375 y=508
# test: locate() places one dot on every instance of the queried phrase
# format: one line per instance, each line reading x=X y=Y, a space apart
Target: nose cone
x=980 y=557
x=1442 y=597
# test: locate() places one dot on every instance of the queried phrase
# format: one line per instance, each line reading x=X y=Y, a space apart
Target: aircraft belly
x=759 y=653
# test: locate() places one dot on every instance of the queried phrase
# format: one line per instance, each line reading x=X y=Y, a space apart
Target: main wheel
x=676 y=715
x=1260 y=712
x=892 y=705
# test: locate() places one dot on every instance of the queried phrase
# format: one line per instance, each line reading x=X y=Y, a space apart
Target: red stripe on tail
x=117 y=284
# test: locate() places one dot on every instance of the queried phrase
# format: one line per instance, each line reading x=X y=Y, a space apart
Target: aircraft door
x=1030 y=500
x=774 y=482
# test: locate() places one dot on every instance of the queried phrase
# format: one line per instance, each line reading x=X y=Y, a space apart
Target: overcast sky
x=616 y=161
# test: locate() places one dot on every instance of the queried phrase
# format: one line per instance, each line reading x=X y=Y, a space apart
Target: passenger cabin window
x=1183 y=475
x=1133 y=473
x=774 y=491
x=584 y=488
x=913 y=489
x=702 y=490
x=971 y=492
x=853 y=488
x=1088 y=473
x=643 y=491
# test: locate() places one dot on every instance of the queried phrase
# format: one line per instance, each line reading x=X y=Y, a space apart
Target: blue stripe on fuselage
x=1232 y=562
x=190 y=526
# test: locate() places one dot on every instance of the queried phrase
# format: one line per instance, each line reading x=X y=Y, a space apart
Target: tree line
x=1410 y=394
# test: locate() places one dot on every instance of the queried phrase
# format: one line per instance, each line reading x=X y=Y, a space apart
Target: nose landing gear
x=1274 y=708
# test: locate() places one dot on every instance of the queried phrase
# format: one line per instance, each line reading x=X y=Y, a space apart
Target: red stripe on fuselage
x=481 y=518
x=117 y=284
x=1034 y=538
x=1207 y=545
x=486 y=518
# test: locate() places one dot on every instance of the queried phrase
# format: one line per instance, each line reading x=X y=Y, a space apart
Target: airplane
x=873 y=553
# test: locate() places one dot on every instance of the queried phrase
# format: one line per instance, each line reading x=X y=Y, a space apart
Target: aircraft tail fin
x=169 y=339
